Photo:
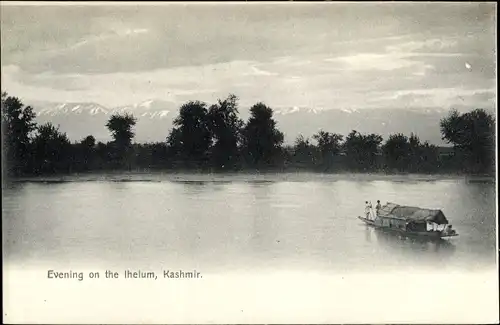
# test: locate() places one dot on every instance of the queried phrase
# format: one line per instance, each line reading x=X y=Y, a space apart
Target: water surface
x=236 y=222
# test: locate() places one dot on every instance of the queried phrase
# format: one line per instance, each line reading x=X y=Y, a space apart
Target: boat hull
x=420 y=234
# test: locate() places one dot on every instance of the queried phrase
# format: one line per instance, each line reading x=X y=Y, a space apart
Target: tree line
x=214 y=138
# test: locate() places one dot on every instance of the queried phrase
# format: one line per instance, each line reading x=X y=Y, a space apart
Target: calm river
x=224 y=222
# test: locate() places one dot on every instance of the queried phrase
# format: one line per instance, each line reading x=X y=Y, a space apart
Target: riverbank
x=248 y=176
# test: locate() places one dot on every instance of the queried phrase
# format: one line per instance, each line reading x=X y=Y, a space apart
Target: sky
x=322 y=55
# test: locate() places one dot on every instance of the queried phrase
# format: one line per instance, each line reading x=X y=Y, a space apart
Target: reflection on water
x=397 y=251
x=285 y=221
x=396 y=241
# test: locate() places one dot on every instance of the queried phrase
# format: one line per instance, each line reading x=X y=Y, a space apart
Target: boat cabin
x=410 y=219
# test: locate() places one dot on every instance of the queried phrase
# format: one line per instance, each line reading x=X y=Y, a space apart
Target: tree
x=85 y=151
x=329 y=145
x=51 y=150
x=473 y=137
x=191 y=137
x=361 y=150
x=397 y=151
x=18 y=126
x=423 y=157
x=261 y=139
x=88 y=142
x=304 y=151
x=175 y=144
x=121 y=128
x=103 y=155
x=428 y=157
x=225 y=127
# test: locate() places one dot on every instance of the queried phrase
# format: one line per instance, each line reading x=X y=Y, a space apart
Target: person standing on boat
x=378 y=207
x=367 y=210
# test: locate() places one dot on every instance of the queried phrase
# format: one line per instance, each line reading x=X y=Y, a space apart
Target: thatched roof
x=415 y=214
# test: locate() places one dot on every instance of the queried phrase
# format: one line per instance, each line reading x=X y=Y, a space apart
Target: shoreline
x=186 y=176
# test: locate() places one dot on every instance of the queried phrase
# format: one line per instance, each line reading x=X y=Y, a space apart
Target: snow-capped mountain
x=296 y=109
x=149 y=108
x=73 y=108
x=152 y=108
x=155 y=120
x=81 y=119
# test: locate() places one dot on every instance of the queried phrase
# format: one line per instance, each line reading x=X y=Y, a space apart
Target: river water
x=279 y=221
x=221 y=224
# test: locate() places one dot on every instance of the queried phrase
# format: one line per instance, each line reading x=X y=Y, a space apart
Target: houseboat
x=410 y=221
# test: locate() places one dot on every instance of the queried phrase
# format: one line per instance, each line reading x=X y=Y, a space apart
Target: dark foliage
x=215 y=138
x=191 y=139
x=121 y=128
x=361 y=150
x=225 y=127
x=329 y=147
x=18 y=126
x=473 y=137
x=51 y=151
x=261 y=138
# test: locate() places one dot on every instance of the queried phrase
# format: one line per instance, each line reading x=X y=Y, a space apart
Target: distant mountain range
x=155 y=118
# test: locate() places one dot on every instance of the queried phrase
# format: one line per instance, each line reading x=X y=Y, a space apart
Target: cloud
x=134 y=31
x=115 y=89
x=113 y=33
x=440 y=97
x=335 y=56
x=258 y=72
x=411 y=55
x=359 y=81
x=103 y=39
x=433 y=44
x=377 y=61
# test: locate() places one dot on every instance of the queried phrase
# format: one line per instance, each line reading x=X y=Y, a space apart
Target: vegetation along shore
x=213 y=138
